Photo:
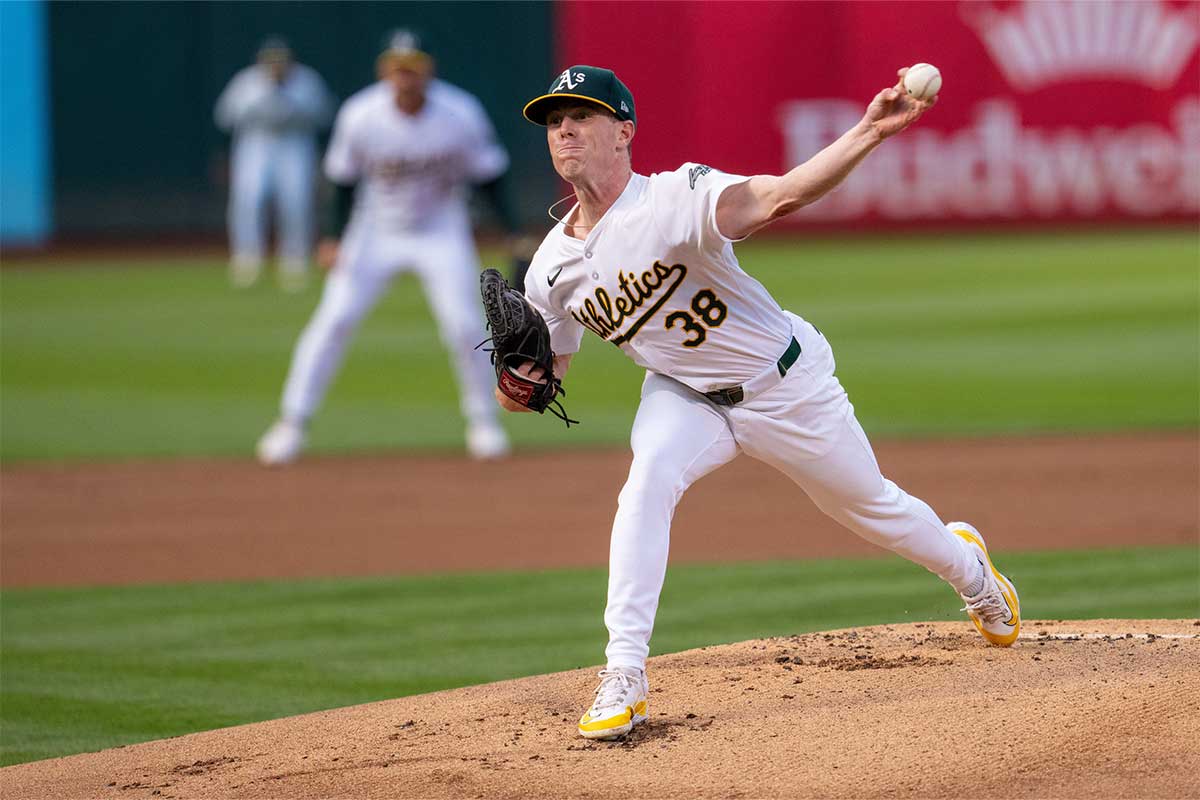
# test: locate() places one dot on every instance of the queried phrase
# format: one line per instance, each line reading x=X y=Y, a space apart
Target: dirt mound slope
x=921 y=710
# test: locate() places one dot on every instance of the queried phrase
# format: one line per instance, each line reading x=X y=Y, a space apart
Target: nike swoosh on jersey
x=551 y=279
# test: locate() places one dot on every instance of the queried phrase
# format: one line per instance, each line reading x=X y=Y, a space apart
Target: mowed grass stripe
x=939 y=335
x=85 y=669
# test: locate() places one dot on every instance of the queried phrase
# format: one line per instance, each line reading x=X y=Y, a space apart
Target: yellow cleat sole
x=614 y=727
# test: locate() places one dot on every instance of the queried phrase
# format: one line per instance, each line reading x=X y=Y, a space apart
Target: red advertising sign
x=1050 y=109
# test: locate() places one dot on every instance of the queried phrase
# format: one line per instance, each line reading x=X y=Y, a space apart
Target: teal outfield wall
x=24 y=162
x=133 y=86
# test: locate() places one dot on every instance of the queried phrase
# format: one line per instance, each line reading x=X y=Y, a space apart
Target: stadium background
x=1052 y=305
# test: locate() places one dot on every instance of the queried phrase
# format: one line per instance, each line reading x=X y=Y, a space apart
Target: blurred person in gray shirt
x=274 y=108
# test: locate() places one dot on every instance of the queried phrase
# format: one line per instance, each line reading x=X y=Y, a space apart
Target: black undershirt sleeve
x=496 y=192
x=340 y=207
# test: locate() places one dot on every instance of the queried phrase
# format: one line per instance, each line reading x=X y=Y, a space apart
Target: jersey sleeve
x=314 y=103
x=343 y=164
x=566 y=334
x=685 y=205
x=235 y=100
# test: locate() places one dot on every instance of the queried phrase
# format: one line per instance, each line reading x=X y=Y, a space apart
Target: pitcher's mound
x=922 y=710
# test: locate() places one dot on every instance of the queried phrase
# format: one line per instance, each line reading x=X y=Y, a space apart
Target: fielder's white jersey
x=656 y=278
x=413 y=169
x=254 y=103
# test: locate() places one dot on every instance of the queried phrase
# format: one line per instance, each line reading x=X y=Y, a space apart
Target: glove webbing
x=555 y=406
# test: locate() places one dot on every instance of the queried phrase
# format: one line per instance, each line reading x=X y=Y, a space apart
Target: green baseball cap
x=590 y=84
x=274 y=50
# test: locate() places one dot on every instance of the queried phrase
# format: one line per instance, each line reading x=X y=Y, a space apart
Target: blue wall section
x=24 y=128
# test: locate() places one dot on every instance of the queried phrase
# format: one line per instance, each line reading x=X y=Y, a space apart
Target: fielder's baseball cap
x=403 y=47
x=274 y=50
x=594 y=85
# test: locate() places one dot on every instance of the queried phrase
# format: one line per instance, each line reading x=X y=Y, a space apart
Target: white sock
x=980 y=580
x=633 y=672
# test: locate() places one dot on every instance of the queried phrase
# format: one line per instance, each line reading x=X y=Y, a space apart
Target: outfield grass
x=85 y=669
x=944 y=336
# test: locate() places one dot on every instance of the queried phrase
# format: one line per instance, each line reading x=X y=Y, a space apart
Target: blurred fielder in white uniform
x=274 y=108
x=406 y=150
x=647 y=263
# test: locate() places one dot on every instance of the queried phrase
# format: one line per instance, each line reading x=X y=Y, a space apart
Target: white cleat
x=622 y=701
x=281 y=444
x=487 y=442
x=996 y=610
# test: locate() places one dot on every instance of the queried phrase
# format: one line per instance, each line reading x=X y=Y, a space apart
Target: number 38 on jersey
x=706 y=312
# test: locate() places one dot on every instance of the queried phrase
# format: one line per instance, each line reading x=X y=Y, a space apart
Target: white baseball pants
x=804 y=427
x=446 y=263
x=264 y=169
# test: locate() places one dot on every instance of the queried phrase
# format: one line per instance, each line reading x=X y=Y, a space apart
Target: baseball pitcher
x=647 y=263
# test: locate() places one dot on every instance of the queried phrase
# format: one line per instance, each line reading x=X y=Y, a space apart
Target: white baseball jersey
x=410 y=215
x=413 y=169
x=253 y=103
x=274 y=159
x=656 y=278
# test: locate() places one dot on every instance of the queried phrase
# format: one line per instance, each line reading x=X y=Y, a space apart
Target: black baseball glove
x=519 y=339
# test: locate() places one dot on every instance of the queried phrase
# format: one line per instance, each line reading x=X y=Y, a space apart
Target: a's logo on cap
x=568 y=81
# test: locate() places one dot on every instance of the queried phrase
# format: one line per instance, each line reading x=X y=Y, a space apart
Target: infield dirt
x=162 y=522
x=923 y=710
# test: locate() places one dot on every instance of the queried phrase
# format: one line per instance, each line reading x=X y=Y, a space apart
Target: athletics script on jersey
x=607 y=315
x=639 y=297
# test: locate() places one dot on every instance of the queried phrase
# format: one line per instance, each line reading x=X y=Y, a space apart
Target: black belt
x=734 y=394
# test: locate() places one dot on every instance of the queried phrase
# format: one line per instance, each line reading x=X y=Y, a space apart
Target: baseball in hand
x=922 y=81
